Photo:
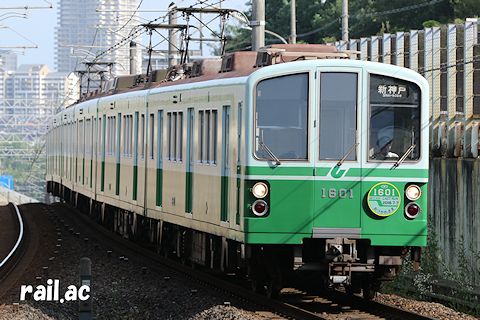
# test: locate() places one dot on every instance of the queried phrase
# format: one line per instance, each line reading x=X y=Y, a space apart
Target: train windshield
x=394 y=119
x=281 y=118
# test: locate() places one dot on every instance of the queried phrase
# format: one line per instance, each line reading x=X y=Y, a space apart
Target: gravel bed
x=23 y=312
x=226 y=313
x=429 y=309
x=121 y=290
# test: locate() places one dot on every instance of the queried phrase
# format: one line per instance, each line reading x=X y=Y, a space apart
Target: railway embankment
x=127 y=286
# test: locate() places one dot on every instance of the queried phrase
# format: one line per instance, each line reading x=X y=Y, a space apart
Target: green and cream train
x=293 y=159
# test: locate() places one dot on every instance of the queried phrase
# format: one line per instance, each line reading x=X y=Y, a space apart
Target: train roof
x=231 y=65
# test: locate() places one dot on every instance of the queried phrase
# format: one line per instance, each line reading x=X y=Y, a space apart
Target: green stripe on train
x=135 y=182
x=117 y=185
x=159 y=187
x=224 y=199
x=102 y=177
x=188 y=191
x=91 y=172
x=83 y=171
x=324 y=171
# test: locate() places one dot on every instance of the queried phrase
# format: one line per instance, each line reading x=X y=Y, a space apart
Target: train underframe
x=316 y=264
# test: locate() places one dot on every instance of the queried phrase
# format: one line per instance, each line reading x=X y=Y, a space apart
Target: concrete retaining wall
x=454 y=211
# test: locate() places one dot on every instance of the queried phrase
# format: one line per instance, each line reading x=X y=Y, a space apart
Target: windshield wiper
x=339 y=163
x=267 y=149
x=404 y=156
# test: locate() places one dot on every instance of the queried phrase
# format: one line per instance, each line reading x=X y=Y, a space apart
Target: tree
x=319 y=20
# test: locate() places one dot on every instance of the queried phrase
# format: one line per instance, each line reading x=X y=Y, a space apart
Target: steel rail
x=288 y=309
x=20 y=237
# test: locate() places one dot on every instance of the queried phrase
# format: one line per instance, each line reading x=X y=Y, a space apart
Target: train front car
x=336 y=172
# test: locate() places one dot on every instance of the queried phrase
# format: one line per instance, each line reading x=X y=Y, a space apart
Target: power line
x=131 y=17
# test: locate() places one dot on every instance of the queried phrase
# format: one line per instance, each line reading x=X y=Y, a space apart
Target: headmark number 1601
x=334 y=193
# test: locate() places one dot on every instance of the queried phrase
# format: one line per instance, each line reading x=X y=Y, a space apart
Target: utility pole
x=200 y=29
x=133 y=57
x=293 y=22
x=258 y=24
x=172 y=38
x=345 y=20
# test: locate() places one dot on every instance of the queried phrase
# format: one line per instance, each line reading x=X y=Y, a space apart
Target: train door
x=238 y=160
x=337 y=170
x=225 y=164
x=189 y=161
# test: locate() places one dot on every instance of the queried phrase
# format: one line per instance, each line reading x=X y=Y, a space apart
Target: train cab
x=337 y=165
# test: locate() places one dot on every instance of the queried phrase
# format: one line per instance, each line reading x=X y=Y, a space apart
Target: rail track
x=293 y=304
x=30 y=252
x=12 y=240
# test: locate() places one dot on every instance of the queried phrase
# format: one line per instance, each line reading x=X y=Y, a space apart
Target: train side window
x=92 y=150
x=111 y=132
x=169 y=135
x=207 y=136
x=152 y=135
x=99 y=138
x=175 y=136
x=160 y=138
x=127 y=135
x=116 y=135
x=107 y=136
x=88 y=128
x=201 y=138
x=214 y=137
x=180 y=136
x=130 y=135
x=81 y=135
x=338 y=114
x=142 y=136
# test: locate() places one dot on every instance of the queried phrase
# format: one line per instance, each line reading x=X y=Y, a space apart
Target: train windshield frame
x=281 y=118
x=394 y=119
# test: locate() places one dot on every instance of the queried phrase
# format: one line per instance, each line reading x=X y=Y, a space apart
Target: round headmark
x=383 y=199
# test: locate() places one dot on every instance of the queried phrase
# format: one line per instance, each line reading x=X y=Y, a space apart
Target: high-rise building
x=86 y=28
x=8 y=60
x=29 y=97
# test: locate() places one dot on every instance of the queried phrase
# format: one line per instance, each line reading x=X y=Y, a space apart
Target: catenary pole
x=293 y=22
x=172 y=37
x=345 y=20
x=258 y=24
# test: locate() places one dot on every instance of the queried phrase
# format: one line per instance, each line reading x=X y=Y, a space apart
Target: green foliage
x=434 y=270
x=28 y=172
x=319 y=21
x=431 y=23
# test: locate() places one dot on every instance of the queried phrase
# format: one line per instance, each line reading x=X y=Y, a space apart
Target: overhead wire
x=131 y=17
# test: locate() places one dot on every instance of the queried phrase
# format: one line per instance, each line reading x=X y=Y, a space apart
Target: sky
x=35 y=27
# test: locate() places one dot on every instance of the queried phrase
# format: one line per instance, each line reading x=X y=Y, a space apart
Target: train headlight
x=260 y=190
x=412 y=210
x=413 y=192
x=259 y=208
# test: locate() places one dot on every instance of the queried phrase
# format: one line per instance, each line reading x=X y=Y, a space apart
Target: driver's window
x=394 y=118
x=281 y=118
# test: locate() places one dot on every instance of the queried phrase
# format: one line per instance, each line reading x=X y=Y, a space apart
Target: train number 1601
x=334 y=193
